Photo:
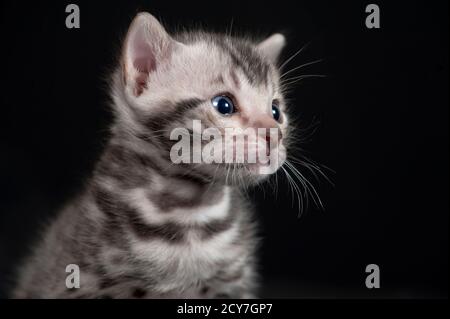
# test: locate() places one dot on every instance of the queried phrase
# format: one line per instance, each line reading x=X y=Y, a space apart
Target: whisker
x=288 y=178
x=294 y=55
x=307 y=184
x=299 y=67
x=295 y=79
x=231 y=27
x=313 y=168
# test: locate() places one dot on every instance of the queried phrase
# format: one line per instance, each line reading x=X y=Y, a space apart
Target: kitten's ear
x=147 y=46
x=272 y=46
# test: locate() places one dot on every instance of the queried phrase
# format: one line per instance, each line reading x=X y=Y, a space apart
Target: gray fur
x=143 y=227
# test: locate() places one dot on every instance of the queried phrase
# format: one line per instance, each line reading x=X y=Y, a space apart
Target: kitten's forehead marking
x=219 y=79
x=243 y=57
x=235 y=79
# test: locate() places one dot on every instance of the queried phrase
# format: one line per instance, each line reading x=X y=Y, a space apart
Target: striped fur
x=144 y=227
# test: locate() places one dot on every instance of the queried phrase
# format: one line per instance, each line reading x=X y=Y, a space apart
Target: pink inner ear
x=141 y=83
x=143 y=59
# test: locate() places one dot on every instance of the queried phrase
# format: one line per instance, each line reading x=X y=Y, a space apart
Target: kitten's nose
x=271 y=136
x=268 y=123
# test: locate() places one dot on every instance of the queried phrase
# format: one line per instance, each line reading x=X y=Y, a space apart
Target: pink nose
x=266 y=122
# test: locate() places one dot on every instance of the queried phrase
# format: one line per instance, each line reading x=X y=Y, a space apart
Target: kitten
x=145 y=227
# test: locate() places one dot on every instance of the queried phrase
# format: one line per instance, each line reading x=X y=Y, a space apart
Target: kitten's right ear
x=272 y=46
x=147 y=46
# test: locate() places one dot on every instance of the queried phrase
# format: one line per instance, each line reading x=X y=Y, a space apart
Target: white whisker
x=299 y=67
x=294 y=55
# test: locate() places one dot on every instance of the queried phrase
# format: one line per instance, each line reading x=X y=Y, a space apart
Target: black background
x=383 y=113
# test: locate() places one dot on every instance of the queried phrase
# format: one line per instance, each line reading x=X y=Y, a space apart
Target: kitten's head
x=165 y=82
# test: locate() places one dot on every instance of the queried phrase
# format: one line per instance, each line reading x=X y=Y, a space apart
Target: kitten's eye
x=276 y=112
x=223 y=104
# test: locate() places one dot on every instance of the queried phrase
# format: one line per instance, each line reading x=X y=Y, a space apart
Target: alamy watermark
x=73 y=279
x=73 y=19
x=373 y=279
x=373 y=19
x=257 y=146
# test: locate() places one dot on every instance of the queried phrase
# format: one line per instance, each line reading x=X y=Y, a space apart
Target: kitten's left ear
x=272 y=46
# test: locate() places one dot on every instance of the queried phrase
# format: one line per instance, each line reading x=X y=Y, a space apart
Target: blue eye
x=276 y=112
x=223 y=104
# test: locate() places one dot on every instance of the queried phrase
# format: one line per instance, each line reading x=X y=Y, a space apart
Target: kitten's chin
x=253 y=174
x=228 y=172
x=260 y=172
x=239 y=174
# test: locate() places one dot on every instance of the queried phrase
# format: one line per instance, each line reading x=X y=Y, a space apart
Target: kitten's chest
x=202 y=249
x=184 y=265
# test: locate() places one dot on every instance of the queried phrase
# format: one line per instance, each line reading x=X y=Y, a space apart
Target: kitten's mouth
x=252 y=153
x=264 y=168
x=265 y=165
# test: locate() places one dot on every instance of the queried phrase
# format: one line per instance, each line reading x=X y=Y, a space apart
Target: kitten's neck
x=131 y=186
x=137 y=167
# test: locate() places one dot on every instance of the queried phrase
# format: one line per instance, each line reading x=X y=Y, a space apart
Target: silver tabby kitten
x=145 y=227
